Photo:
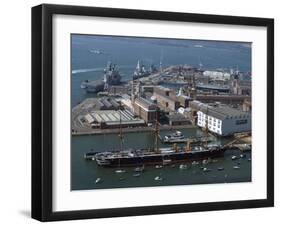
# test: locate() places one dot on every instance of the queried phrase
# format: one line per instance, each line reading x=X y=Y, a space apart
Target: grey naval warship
x=141 y=71
x=111 y=77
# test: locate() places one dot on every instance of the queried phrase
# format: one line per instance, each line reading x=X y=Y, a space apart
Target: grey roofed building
x=219 y=88
x=145 y=109
x=223 y=112
x=113 y=119
x=178 y=119
x=106 y=103
x=146 y=103
x=223 y=120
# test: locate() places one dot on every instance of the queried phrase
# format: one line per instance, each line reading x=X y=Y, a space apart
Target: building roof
x=112 y=118
x=213 y=87
x=223 y=112
x=177 y=117
x=89 y=118
x=108 y=102
x=162 y=88
x=145 y=103
x=216 y=74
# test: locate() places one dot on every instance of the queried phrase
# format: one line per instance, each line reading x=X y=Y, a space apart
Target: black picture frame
x=42 y=111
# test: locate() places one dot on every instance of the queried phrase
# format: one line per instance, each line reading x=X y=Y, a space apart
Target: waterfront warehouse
x=224 y=120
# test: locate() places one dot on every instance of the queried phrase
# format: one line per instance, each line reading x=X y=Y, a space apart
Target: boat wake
x=78 y=71
x=97 y=69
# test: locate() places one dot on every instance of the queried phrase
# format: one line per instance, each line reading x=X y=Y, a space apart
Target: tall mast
x=160 y=63
x=120 y=131
x=200 y=63
x=156 y=134
x=138 y=66
x=206 y=125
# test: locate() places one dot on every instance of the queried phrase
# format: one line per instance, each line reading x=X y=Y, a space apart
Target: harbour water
x=125 y=52
x=85 y=172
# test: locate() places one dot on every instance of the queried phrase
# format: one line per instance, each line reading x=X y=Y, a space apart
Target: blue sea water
x=125 y=52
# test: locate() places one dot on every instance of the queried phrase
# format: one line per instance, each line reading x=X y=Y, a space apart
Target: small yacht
x=183 y=166
x=120 y=171
x=234 y=157
x=206 y=170
x=158 y=178
x=158 y=166
x=98 y=180
x=195 y=163
x=139 y=169
x=174 y=137
x=205 y=161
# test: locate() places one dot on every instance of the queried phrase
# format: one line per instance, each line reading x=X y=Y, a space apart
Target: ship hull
x=140 y=76
x=160 y=158
x=94 y=89
x=166 y=141
x=93 y=86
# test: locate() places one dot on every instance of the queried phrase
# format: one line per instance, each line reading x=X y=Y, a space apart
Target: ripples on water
x=86 y=172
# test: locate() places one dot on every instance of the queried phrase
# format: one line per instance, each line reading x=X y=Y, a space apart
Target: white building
x=217 y=75
x=224 y=120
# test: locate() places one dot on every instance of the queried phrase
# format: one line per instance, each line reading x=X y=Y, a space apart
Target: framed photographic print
x=146 y=112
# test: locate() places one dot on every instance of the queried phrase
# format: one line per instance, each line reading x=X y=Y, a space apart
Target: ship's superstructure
x=141 y=71
x=111 y=77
